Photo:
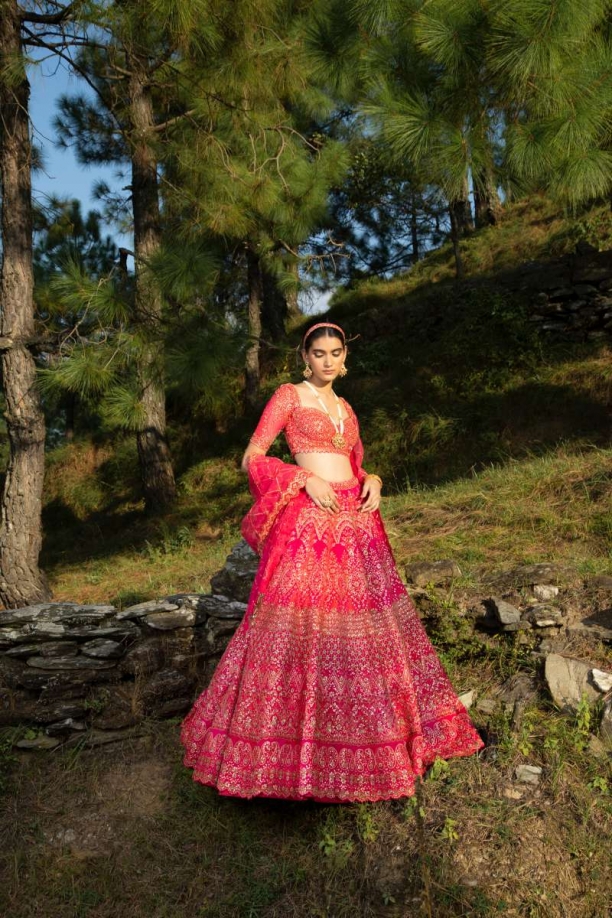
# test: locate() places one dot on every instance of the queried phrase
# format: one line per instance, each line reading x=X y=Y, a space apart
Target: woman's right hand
x=321 y=492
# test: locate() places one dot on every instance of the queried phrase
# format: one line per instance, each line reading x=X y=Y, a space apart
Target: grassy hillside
x=491 y=439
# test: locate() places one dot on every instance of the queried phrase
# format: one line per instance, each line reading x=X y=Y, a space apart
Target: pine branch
x=49 y=18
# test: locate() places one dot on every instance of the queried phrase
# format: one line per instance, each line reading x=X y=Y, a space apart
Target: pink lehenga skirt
x=330 y=688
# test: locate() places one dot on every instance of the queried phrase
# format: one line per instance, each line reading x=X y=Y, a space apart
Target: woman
x=330 y=688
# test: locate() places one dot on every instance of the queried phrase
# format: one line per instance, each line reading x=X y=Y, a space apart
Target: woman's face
x=325 y=356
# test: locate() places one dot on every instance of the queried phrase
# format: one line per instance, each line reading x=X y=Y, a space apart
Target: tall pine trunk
x=487 y=205
x=273 y=308
x=153 y=451
x=414 y=229
x=21 y=580
x=294 y=313
x=455 y=234
x=251 y=368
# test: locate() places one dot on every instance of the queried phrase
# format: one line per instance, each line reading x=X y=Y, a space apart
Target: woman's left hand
x=370 y=494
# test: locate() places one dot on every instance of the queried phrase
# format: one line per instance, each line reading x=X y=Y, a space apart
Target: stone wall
x=571 y=295
x=91 y=673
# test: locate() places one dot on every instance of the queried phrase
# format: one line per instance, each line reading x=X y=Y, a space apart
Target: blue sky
x=63 y=175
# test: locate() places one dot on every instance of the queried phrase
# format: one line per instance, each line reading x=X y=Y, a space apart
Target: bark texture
x=21 y=580
x=251 y=368
x=153 y=450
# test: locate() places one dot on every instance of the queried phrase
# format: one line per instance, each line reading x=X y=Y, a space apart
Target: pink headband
x=323 y=325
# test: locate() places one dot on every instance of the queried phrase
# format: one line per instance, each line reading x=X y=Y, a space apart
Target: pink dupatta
x=274 y=484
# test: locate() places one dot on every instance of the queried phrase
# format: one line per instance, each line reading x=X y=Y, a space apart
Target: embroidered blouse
x=274 y=483
x=307 y=429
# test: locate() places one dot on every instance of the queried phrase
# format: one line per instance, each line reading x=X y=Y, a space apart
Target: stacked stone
x=85 y=673
x=574 y=294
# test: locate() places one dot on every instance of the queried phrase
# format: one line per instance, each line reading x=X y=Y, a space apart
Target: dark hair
x=325 y=331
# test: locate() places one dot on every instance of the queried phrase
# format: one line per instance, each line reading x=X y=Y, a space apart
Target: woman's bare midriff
x=329 y=466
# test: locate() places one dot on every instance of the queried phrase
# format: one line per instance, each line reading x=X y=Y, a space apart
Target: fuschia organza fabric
x=330 y=688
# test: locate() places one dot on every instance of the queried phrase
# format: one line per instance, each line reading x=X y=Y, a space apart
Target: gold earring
x=342 y=371
x=307 y=371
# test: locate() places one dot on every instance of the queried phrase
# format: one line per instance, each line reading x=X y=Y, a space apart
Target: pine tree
x=66 y=241
x=249 y=167
x=21 y=580
x=132 y=73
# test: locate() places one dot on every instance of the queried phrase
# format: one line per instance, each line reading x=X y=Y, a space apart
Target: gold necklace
x=337 y=440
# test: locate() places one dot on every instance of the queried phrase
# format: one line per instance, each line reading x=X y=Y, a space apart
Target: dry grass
x=124 y=830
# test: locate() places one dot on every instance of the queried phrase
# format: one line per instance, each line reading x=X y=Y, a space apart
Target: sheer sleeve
x=357 y=455
x=274 y=417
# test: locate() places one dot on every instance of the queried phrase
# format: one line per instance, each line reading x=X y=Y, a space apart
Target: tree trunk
x=487 y=205
x=153 y=451
x=294 y=313
x=414 y=230
x=462 y=215
x=459 y=272
x=21 y=580
x=251 y=369
x=273 y=308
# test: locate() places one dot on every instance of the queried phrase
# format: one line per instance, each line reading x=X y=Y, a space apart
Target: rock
x=551 y=645
x=587 y=290
x=567 y=680
x=503 y=612
x=236 y=577
x=39 y=743
x=561 y=293
x=143 y=658
x=54 y=612
x=597 y=626
x=78 y=662
x=601 y=680
x=32 y=631
x=467 y=698
x=437 y=572
x=146 y=608
x=58 y=684
x=66 y=710
x=527 y=575
x=100 y=647
x=545 y=591
x=173 y=706
x=222 y=607
x=518 y=687
x=528 y=774
x=168 y=621
x=517 y=626
x=596 y=747
x=543 y=617
x=217 y=635
x=65 y=727
x=168 y=683
x=57 y=649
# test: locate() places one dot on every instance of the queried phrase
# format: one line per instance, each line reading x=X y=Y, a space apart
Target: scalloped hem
x=399 y=784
